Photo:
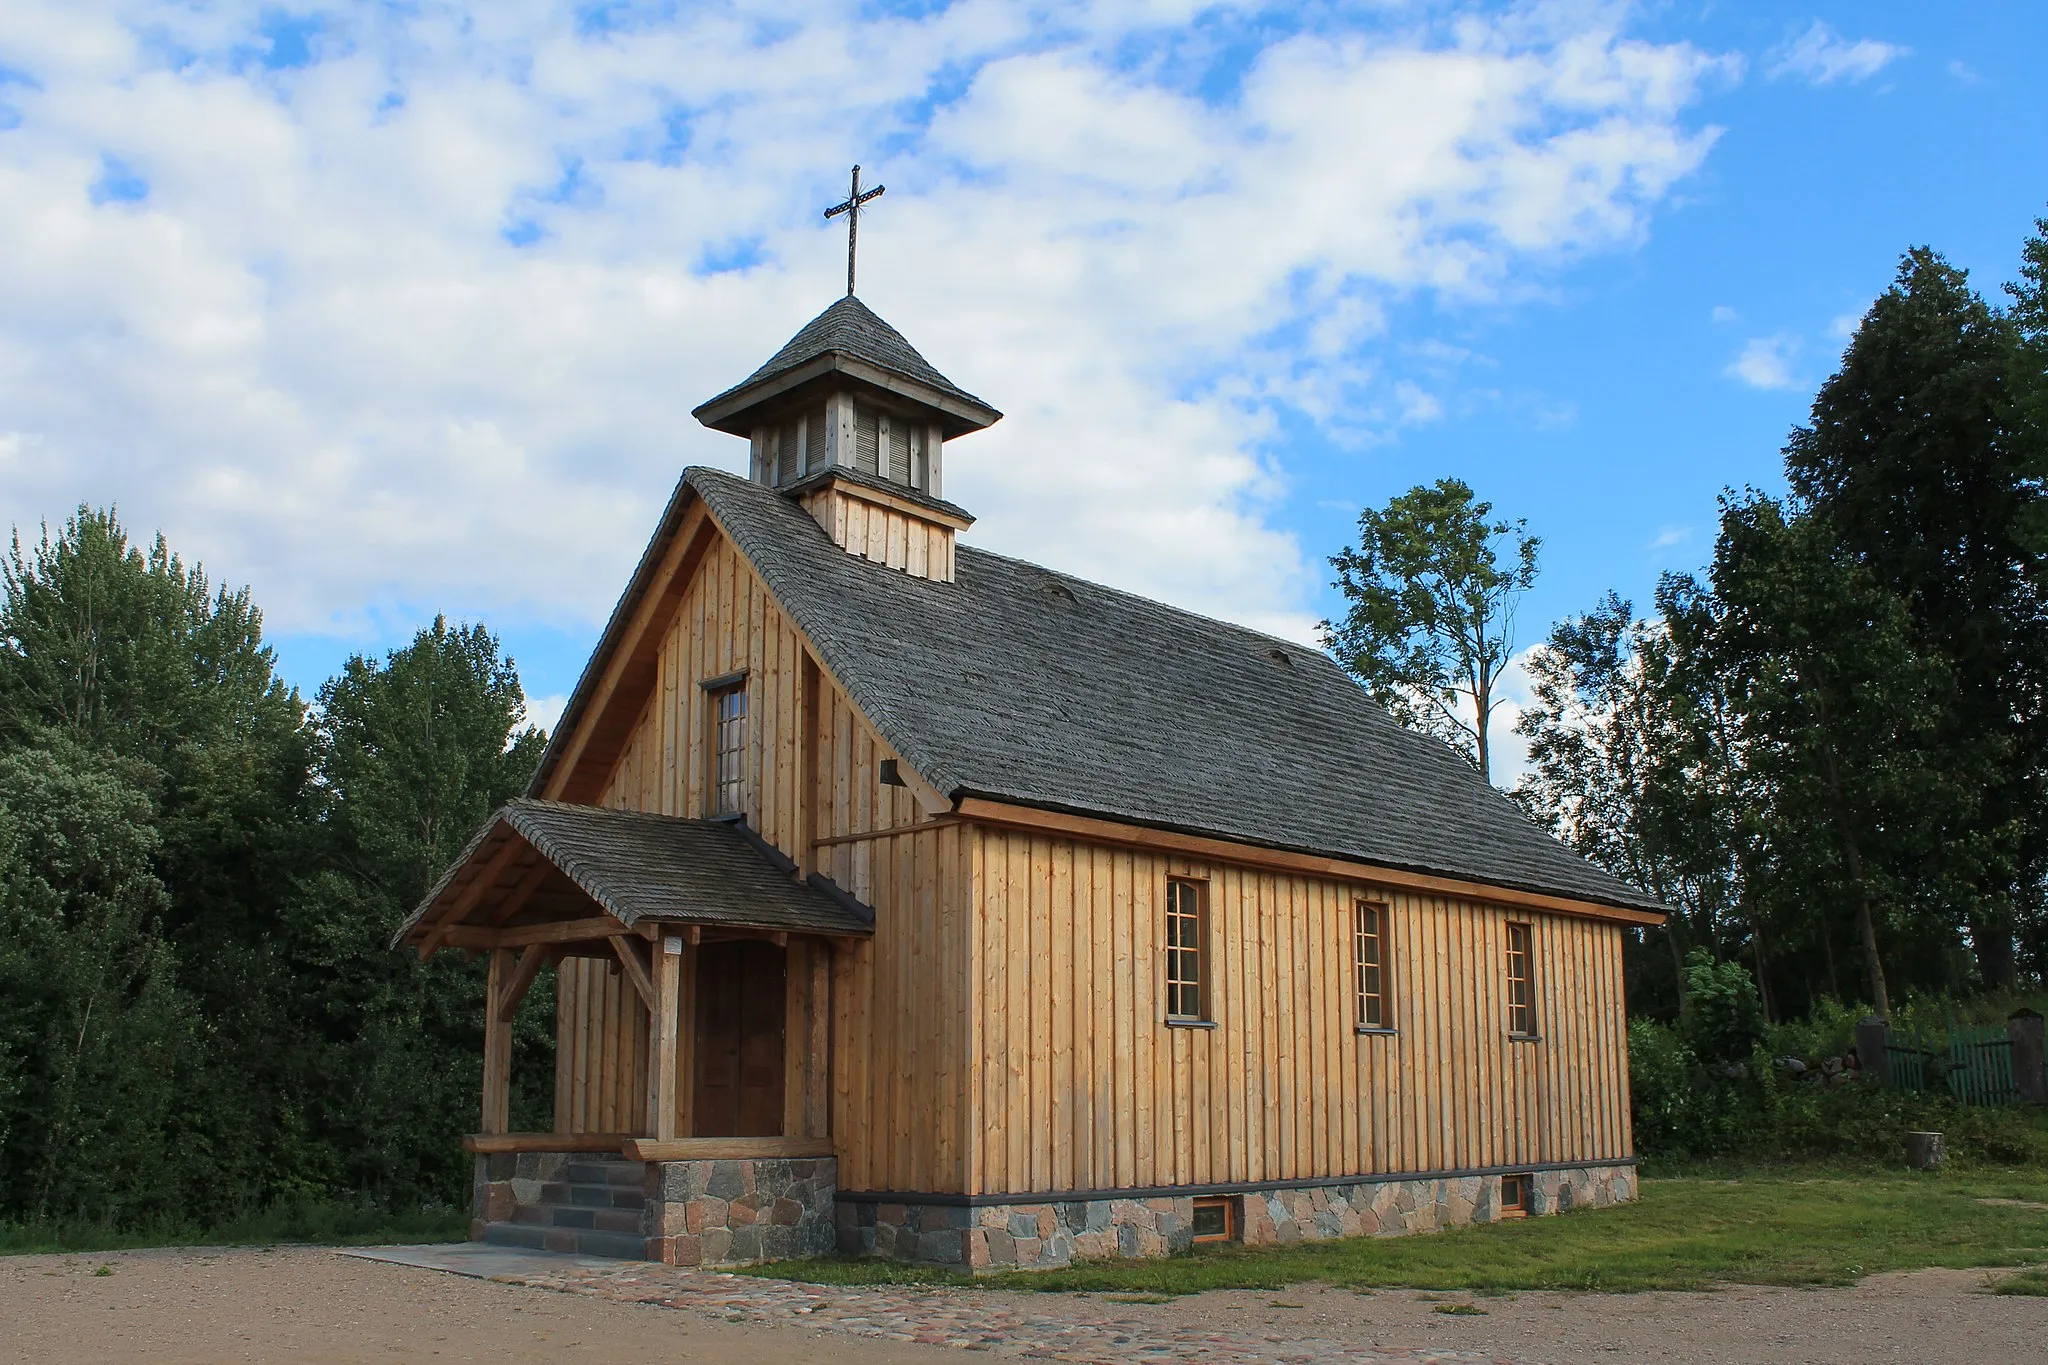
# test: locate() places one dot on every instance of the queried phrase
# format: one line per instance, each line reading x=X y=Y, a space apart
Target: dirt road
x=309 y=1305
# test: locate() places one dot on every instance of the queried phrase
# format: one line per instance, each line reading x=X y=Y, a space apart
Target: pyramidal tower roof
x=848 y=339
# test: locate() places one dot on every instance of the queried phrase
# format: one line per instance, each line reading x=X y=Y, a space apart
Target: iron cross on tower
x=851 y=208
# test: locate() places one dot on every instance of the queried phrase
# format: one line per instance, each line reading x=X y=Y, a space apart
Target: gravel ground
x=309 y=1305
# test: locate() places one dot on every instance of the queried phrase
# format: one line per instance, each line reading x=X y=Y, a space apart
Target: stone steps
x=593 y=1207
x=582 y=1242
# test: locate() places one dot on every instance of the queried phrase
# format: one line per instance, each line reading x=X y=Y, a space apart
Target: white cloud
x=1723 y=313
x=1844 y=326
x=1765 y=363
x=1670 y=537
x=1820 y=56
x=420 y=324
x=545 y=711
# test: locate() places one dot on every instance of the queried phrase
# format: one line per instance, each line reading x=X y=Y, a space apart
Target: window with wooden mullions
x=729 y=750
x=1521 y=983
x=1369 y=954
x=1186 y=996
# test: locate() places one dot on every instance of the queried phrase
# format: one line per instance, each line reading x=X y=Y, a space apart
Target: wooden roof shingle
x=1023 y=685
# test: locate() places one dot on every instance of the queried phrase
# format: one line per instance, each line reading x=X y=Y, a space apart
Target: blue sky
x=388 y=310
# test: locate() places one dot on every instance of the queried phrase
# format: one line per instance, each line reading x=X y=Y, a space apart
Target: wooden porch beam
x=486 y=1144
x=531 y=961
x=628 y=953
x=519 y=936
x=726 y=1149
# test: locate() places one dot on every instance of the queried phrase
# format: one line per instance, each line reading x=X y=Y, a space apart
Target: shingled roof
x=661 y=867
x=1024 y=685
x=851 y=329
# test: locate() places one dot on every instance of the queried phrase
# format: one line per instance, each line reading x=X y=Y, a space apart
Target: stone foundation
x=714 y=1213
x=700 y=1213
x=1031 y=1236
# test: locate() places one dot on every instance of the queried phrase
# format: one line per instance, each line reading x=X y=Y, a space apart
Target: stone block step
x=605 y=1173
x=579 y=1241
x=583 y=1194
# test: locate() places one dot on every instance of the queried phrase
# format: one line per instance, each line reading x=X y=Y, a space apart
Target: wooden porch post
x=663 y=1052
x=497 y=1116
x=817 y=1065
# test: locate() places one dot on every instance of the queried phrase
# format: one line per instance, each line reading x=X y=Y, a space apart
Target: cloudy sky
x=386 y=309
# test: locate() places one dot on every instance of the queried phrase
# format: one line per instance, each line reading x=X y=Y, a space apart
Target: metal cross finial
x=851 y=208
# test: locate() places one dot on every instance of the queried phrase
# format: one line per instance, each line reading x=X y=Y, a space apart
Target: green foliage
x=1798 y=1228
x=1430 y=623
x=95 y=1035
x=327 y=1224
x=1723 y=1021
x=415 y=753
x=201 y=1015
x=1830 y=754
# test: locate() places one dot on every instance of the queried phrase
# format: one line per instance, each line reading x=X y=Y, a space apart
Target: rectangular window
x=1215 y=1219
x=1514 y=1196
x=729 y=750
x=1370 y=955
x=1184 y=994
x=1521 y=983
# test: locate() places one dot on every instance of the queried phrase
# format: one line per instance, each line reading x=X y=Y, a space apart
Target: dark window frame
x=726 y=793
x=1521 y=995
x=1228 y=1205
x=1371 y=963
x=1187 y=918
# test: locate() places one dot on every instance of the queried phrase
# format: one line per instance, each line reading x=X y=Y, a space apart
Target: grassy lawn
x=1684 y=1233
x=323 y=1224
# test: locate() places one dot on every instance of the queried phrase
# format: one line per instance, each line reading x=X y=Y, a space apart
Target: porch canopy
x=543 y=881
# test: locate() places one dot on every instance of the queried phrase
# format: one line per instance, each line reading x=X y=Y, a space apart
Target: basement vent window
x=1216 y=1219
x=1514 y=1195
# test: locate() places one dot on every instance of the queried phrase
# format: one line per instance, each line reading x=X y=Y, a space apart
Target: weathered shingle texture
x=1026 y=685
x=851 y=328
x=662 y=867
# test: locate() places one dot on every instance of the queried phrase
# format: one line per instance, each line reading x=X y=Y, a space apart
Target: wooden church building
x=910 y=899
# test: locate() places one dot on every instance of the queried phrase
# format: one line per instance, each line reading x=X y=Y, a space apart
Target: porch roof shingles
x=655 y=867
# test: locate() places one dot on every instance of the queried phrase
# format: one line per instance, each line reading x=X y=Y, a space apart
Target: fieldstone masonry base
x=693 y=1213
x=1044 y=1236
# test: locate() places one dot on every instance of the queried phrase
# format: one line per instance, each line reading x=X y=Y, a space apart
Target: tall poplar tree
x=1432 y=586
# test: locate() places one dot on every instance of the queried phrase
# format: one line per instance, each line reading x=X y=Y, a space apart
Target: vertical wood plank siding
x=898 y=1039
x=1083 y=1085
x=1004 y=1030
x=884 y=535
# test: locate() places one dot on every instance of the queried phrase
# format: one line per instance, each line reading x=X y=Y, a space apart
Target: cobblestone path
x=965 y=1320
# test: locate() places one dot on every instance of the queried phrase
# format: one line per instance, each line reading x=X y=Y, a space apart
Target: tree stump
x=1924 y=1151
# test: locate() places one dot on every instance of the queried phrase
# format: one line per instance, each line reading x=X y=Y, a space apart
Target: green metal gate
x=1972 y=1064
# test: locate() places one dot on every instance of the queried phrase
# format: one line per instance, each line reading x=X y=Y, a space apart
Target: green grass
x=1782 y=1228
x=2029 y=1282
x=326 y=1224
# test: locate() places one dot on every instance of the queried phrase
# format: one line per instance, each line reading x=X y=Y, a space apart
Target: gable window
x=1185 y=996
x=1521 y=983
x=1369 y=955
x=729 y=748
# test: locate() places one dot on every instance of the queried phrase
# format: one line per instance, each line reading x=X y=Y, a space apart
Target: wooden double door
x=742 y=990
